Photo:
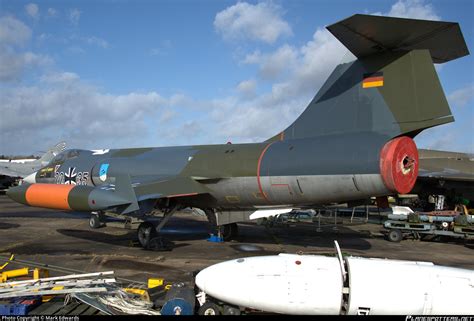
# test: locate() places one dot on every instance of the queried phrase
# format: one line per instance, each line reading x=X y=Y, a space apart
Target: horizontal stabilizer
x=365 y=35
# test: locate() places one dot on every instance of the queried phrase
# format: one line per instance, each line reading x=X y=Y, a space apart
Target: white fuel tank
x=287 y=283
x=311 y=284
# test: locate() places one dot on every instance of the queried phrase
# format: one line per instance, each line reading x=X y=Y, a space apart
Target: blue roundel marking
x=103 y=171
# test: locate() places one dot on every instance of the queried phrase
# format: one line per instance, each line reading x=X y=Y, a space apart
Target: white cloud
x=253 y=58
x=59 y=77
x=273 y=65
x=167 y=115
x=74 y=16
x=162 y=49
x=261 y=22
x=82 y=114
x=32 y=10
x=416 y=9
x=156 y=52
x=13 y=31
x=13 y=64
x=44 y=36
x=451 y=137
x=52 y=12
x=76 y=50
x=97 y=42
x=247 y=88
x=461 y=97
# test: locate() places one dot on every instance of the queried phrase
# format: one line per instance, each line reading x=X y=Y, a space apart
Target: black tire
x=159 y=243
x=230 y=310
x=229 y=231
x=209 y=308
x=395 y=236
x=94 y=221
x=146 y=231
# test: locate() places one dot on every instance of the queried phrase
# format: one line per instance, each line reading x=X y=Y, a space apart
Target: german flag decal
x=373 y=80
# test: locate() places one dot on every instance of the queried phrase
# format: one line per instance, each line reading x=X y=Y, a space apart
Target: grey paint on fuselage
x=325 y=155
x=290 y=170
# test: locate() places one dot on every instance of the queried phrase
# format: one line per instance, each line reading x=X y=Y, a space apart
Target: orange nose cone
x=399 y=164
x=49 y=195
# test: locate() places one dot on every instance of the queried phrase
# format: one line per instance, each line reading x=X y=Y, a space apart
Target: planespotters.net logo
x=439 y=318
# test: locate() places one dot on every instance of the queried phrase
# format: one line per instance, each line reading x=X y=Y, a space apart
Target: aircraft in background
x=11 y=171
x=450 y=174
x=353 y=141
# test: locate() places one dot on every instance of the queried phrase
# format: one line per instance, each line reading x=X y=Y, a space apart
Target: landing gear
x=96 y=220
x=209 y=308
x=230 y=310
x=228 y=231
x=148 y=233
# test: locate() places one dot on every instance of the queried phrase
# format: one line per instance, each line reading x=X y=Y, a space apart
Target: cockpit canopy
x=68 y=154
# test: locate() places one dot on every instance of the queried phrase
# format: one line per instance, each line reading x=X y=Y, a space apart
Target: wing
x=6 y=171
x=446 y=166
x=447 y=175
x=168 y=188
x=145 y=188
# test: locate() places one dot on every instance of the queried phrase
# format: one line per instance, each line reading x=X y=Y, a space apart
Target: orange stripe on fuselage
x=49 y=195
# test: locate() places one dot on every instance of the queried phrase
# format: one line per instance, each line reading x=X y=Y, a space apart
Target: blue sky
x=107 y=74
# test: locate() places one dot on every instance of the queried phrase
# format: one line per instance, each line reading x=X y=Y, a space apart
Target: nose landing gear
x=97 y=220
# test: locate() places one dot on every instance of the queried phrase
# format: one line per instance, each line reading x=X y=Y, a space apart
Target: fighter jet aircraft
x=445 y=173
x=11 y=171
x=353 y=141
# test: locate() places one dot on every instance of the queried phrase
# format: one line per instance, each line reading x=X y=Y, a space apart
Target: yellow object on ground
x=6 y=263
x=153 y=283
x=47 y=298
x=5 y=275
x=141 y=292
x=40 y=273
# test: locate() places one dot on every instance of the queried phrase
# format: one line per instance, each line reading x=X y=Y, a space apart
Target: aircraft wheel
x=94 y=221
x=395 y=236
x=160 y=243
x=209 y=308
x=146 y=231
x=229 y=231
x=230 y=310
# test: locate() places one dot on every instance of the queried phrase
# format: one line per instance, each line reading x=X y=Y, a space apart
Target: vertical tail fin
x=392 y=87
x=53 y=151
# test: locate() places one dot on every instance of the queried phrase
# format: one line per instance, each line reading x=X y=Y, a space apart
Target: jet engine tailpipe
x=399 y=164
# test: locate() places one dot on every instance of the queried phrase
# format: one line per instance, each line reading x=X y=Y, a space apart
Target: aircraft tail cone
x=399 y=164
